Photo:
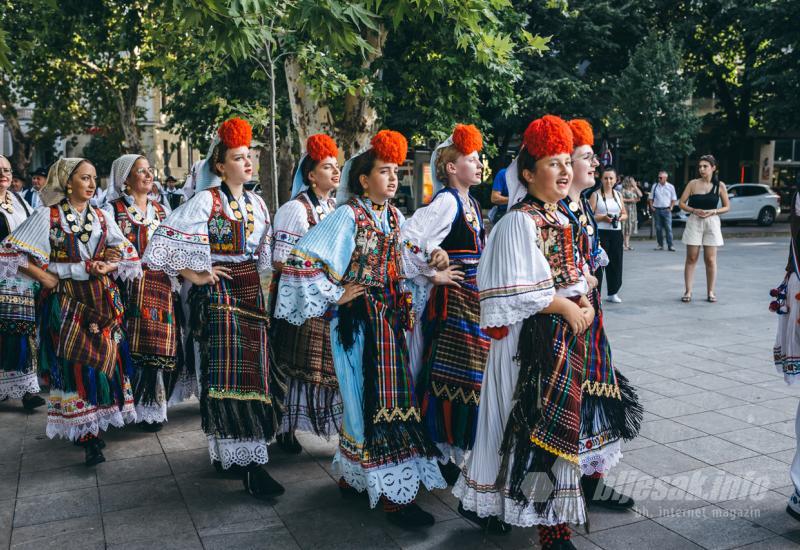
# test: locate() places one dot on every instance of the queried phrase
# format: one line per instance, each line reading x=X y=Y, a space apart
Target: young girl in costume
x=18 y=339
x=302 y=354
x=350 y=267
x=220 y=241
x=524 y=468
x=610 y=410
x=66 y=247
x=454 y=347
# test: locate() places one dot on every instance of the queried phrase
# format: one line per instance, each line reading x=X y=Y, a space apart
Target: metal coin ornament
x=573 y=206
x=590 y=230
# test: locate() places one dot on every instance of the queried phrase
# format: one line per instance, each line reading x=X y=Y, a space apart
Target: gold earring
x=69 y=189
x=366 y=193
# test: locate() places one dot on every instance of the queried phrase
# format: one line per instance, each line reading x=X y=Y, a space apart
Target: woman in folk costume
x=152 y=316
x=220 y=240
x=523 y=469
x=610 y=409
x=350 y=267
x=18 y=339
x=71 y=249
x=454 y=347
x=786 y=353
x=302 y=354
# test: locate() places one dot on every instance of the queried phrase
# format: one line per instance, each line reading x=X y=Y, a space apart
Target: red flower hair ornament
x=321 y=146
x=235 y=132
x=467 y=139
x=390 y=146
x=548 y=136
x=582 y=132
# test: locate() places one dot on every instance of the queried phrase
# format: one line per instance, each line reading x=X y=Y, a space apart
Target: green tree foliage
x=652 y=111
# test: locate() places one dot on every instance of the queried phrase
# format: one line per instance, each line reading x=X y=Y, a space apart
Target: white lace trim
x=97 y=422
x=237 y=451
x=171 y=256
x=129 y=270
x=10 y=264
x=398 y=482
x=184 y=389
x=14 y=385
x=602 y=460
x=452 y=454
x=151 y=414
x=488 y=502
x=305 y=298
x=508 y=310
x=264 y=252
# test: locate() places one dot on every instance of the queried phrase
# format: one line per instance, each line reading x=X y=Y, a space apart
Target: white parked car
x=752 y=202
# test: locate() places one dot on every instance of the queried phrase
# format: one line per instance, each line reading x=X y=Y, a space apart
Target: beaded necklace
x=151 y=224
x=469 y=212
x=237 y=210
x=7 y=205
x=82 y=229
x=549 y=210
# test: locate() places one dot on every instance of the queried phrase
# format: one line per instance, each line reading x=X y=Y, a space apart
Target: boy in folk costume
x=350 y=267
x=221 y=241
x=610 y=409
x=454 y=348
x=534 y=305
x=302 y=354
x=67 y=247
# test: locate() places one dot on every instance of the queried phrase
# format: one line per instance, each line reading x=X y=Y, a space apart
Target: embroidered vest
x=136 y=233
x=303 y=199
x=64 y=246
x=557 y=244
x=5 y=227
x=226 y=237
x=376 y=258
x=464 y=241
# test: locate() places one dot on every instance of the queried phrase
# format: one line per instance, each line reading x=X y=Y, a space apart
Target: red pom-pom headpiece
x=548 y=136
x=582 y=133
x=467 y=139
x=235 y=132
x=321 y=146
x=390 y=146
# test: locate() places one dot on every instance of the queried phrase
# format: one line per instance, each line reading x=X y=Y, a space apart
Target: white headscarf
x=120 y=170
x=437 y=184
x=204 y=177
x=516 y=189
x=190 y=184
x=343 y=193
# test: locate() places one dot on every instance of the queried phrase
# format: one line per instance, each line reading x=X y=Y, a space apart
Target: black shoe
x=151 y=427
x=410 y=516
x=99 y=442
x=792 y=512
x=94 y=455
x=30 y=401
x=289 y=444
x=599 y=494
x=671 y=249
x=492 y=525
x=258 y=483
x=450 y=472
x=350 y=492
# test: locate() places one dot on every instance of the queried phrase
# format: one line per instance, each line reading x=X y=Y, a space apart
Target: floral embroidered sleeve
x=311 y=278
x=291 y=223
x=264 y=249
x=181 y=241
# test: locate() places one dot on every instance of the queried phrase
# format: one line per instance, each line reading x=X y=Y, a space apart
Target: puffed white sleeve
x=130 y=266
x=30 y=239
x=514 y=278
x=424 y=231
x=181 y=240
x=263 y=252
x=291 y=223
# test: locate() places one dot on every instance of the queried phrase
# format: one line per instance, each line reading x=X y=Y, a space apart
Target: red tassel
x=496 y=333
x=77 y=372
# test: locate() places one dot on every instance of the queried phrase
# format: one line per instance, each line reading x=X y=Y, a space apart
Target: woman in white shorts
x=701 y=200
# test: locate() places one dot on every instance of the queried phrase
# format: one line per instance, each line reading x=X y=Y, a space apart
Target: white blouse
x=21 y=210
x=149 y=215
x=32 y=238
x=181 y=241
x=610 y=205
x=291 y=223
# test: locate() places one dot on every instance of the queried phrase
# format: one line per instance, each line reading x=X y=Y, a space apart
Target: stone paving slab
x=710 y=469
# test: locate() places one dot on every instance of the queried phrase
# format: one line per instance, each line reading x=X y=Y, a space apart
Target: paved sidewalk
x=710 y=470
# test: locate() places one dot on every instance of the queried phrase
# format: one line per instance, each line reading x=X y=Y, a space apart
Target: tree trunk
x=125 y=101
x=286 y=166
x=309 y=116
x=21 y=145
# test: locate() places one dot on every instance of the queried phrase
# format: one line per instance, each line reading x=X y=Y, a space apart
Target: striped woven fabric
x=91 y=314
x=149 y=316
x=238 y=364
x=304 y=352
x=598 y=375
x=18 y=306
